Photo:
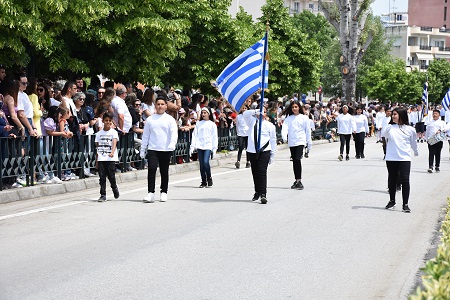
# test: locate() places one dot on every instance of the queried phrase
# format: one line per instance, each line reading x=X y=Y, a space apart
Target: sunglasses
x=81 y=99
x=100 y=92
x=137 y=104
x=24 y=83
x=40 y=90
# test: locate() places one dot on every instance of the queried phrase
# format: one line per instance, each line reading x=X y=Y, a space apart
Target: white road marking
x=29 y=212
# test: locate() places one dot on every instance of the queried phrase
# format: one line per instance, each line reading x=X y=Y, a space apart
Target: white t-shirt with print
x=104 y=140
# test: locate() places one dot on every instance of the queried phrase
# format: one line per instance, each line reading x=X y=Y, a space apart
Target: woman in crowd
x=262 y=157
x=296 y=130
x=147 y=106
x=204 y=139
x=361 y=129
x=435 y=126
x=400 y=139
x=345 y=127
x=158 y=143
x=242 y=135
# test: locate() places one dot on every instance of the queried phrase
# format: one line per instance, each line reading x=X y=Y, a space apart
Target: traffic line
x=47 y=208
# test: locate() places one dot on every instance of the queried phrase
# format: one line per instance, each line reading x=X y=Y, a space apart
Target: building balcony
x=416 y=30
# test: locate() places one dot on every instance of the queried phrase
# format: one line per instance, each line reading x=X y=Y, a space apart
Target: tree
x=438 y=80
x=349 y=19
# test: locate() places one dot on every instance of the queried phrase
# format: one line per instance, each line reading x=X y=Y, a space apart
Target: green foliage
x=388 y=80
x=436 y=280
x=438 y=80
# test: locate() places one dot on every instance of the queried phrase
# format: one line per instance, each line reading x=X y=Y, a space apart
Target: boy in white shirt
x=106 y=142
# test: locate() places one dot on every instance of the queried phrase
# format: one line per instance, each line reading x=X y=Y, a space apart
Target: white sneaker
x=73 y=176
x=16 y=185
x=163 y=197
x=22 y=182
x=44 y=179
x=150 y=198
x=130 y=168
x=55 y=180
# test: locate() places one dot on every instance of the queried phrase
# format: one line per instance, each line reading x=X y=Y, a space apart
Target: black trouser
x=107 y=169
x=259 y=163
x=345 y=138
x=297 y=155
x=242 y=140
x=161 y=158
x=434 y=151
x=398 y=169
x=383 y=140
x=359 y=143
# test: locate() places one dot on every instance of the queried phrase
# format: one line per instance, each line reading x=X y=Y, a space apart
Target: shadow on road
x=375 y=207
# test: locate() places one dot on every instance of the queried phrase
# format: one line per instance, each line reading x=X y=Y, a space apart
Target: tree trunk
x=350 y=23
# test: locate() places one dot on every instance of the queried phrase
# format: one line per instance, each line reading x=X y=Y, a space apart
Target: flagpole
x=263 y=81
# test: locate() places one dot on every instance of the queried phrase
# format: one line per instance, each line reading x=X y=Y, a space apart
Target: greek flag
x=446 y=100
x=242 y=77
x=425 y=98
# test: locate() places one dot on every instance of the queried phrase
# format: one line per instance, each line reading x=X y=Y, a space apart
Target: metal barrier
x=30 y=158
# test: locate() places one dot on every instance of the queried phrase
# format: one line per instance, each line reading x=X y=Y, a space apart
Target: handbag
x=436 y=138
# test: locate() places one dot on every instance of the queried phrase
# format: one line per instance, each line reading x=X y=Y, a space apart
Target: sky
x=382 y=6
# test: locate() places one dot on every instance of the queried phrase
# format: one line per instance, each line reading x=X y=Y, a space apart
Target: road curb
x=71 y=186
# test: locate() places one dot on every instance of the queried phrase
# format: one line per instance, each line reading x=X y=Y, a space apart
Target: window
x=399 y=17
x=296 y=6
x=311 y=6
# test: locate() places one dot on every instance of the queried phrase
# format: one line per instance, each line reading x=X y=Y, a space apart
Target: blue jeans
x=203 y=159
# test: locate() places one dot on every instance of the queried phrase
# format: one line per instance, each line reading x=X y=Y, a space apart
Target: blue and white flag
x=425 y=99
x=446 y=100
x=243 y=76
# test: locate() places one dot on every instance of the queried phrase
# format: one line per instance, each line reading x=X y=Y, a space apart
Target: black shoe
x=362 y=156
x=358 y=157
x=247 y=165
x=340 y=157
x=390 y=204
x=347 y=158
x=237 y=164
x=263 y=199
x=256 y=197
x=421 y=140
x=437 y=169
x=102 y=199
x=430 y=170
x=294 y=185
x=299 y=185
x=406 y=208
x=209 y=180
x=116 y=193
x=203 y=185
x=306 y=155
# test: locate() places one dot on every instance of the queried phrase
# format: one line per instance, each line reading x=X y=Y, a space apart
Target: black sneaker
x=210 y=182
x=237 y=164
x=437 y=169
x=102 y=199
x=247 y=165
x=358 y=157
x=340 y=157
x=347 y=158
x=390 y=204
x=430 y=170
x=294 y=185
x=306 y=155
x=256 y=197
x=263 y=199
x=203 y=185
x=362 y=156
x=116 y=193
x=406 y=208
x=299 y=185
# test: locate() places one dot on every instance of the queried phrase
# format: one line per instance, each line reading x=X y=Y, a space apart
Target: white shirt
x=434 y=126
x=413 y=117
x=104 y=140
x=447 y=116
x=54 y=102
x=204 y=136
x=378 y=118
x=361 y=124
x=241 y=125
x=120 y=108
x=70 y=105
x=268 y=133
x=296 y=130
x=27 y=105
x=150 y=108
x=385 y=121
x=160 y=133
x=399 y=142
x=345 y=123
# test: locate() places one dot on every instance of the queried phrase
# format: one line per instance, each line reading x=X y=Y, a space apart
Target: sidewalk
x=43 y=190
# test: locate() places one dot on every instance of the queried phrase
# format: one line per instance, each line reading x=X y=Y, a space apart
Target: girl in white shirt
x=436 y=125
x=158 y=143
x=296 y=130
x=242 y=134
x=400 y=139
x=204 y=139
x=345 y=127
x=360 y=130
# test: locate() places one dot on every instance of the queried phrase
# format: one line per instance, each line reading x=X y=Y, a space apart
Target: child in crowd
x=106 y=142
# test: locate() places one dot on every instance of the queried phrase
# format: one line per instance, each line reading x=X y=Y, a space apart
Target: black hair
x=288 y=111
x=67 y=85
x=437 y=110
x=402 y=115
x=107 y=115
x=53 y=112
x=211 y=114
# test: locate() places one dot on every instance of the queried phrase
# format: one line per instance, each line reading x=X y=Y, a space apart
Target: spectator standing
x=297 y=132
x=401 y=138
x=106 y=142
x=204 y=139
x=121 y=114
x=158 y=143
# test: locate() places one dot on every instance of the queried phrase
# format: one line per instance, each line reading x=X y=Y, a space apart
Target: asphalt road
x=333 y=240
